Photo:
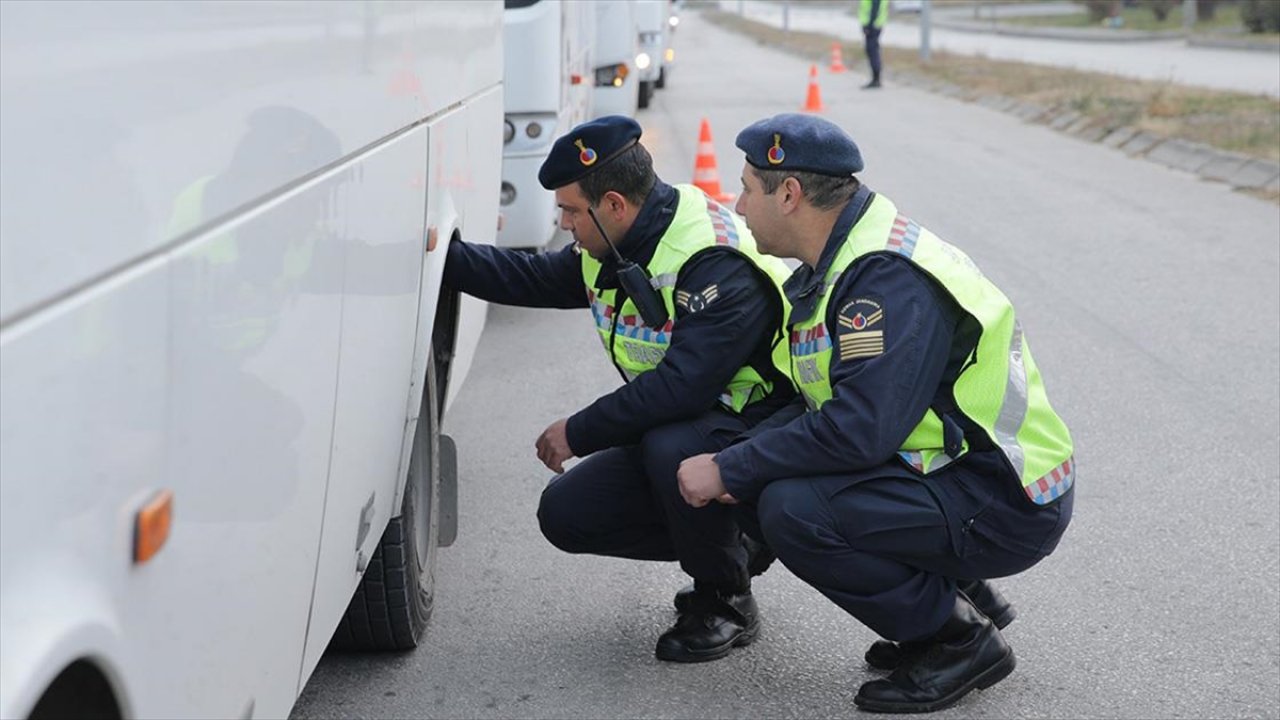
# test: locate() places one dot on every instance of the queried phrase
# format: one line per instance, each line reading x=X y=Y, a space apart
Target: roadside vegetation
x=1237 y=122
x=1256 y=20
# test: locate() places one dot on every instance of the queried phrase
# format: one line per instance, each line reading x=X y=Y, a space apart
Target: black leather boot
x=712 y=626
x=759 y=557
x=886 y=655
x=967 y=653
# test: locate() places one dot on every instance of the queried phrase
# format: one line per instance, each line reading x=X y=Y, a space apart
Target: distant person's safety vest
x=999 y=388
x=864 y=13
x=700 y=223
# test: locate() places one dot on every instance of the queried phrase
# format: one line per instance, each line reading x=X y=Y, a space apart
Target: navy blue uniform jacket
x=707 y=347
x=877 y=400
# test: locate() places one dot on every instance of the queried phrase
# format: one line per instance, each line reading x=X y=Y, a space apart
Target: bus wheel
x=646 y=92
x=394 y=599
x=662 y=78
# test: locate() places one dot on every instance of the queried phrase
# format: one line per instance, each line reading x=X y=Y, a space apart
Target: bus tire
x=393 y=601
x=646 y=92
x=661 y=82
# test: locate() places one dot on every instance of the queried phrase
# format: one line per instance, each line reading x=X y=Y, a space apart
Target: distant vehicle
x=617 y=44
x=547 y=80
x=224 y=346
x=656 y=57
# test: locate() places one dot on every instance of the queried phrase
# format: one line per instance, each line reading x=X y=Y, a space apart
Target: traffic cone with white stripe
x=813 y=102
x=705 y=175
x=837 y=59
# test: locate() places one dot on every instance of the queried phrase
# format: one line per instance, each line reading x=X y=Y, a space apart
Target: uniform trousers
x=625 y=502
x=871 y=42
x=888 y=547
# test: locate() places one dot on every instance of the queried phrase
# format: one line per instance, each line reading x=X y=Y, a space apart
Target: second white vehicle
x=617 y=85
x=653 y=31
x=548 y=88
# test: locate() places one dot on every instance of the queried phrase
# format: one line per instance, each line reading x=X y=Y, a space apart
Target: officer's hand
x=700 y=482
x=553 y=446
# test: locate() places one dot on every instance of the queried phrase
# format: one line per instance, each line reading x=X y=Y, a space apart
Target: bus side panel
x=384 y=244
x=144 y=97
x=253 y=374
x=439 y=176
x=480 y=168
x=82 y=424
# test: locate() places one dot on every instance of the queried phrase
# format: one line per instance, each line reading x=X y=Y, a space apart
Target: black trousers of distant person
x=625 y=502
x=871 y=41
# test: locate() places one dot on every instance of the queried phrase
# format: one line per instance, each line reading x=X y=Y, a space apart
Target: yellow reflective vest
x=864 y=13
x=700 y=223
x=999 y=389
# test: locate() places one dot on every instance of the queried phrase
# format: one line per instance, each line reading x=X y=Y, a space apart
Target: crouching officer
x=927 y=459
x=691 y=315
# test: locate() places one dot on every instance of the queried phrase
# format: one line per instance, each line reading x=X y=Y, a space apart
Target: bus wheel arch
x=81 y=690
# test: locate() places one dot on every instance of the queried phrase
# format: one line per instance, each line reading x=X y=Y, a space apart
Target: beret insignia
x=776 y=154
x=588 y=156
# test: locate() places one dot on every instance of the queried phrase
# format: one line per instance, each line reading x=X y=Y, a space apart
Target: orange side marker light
x=151 y=526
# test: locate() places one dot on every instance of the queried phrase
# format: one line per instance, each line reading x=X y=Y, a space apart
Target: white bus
x=548 y=87
x=617 y=45
x=223 y=341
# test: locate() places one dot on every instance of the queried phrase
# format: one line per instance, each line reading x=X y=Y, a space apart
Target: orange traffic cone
x=705 y=175
x=813 y=103
x=837 y=59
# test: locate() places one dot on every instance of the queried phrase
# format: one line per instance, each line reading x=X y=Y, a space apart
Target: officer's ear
x=789 y=193
x=614 y=204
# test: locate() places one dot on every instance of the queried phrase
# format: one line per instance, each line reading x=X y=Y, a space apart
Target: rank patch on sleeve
x=860 y=327
x=693 y=302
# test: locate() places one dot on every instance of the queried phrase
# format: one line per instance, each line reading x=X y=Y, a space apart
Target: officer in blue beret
x=924 y=456
x=690 y=314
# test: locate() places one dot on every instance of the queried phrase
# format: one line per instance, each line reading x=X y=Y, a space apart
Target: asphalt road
x=1152 y=301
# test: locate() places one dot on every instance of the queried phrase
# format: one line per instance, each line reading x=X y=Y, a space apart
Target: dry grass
x=1248 y=124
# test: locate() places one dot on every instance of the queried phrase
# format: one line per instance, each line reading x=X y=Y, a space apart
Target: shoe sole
x=992 y=675
x=743 y=639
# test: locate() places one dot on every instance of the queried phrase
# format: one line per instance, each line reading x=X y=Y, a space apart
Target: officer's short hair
x=825 y=192
x=630 y=174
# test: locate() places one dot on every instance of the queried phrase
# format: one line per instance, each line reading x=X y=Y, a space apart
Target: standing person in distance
x=872 y=15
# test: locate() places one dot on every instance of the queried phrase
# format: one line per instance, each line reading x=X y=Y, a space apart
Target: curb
x=1109 y=35
x=1078 y=34
x=1241 y=172
x=1231 y=43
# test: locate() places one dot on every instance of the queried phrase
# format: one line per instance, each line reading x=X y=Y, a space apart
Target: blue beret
x=586 y=148
x=792 y=141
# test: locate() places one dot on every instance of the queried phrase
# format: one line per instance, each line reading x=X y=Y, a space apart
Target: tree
x=1261 y=15
x=1161 y=8
x=1100 y=10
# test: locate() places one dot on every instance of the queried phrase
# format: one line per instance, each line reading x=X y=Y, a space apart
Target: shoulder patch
x=693 y=302
x=860 y=327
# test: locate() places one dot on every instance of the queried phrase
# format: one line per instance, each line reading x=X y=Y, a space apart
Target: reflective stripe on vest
x=1000 y=388
x=637 y=348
